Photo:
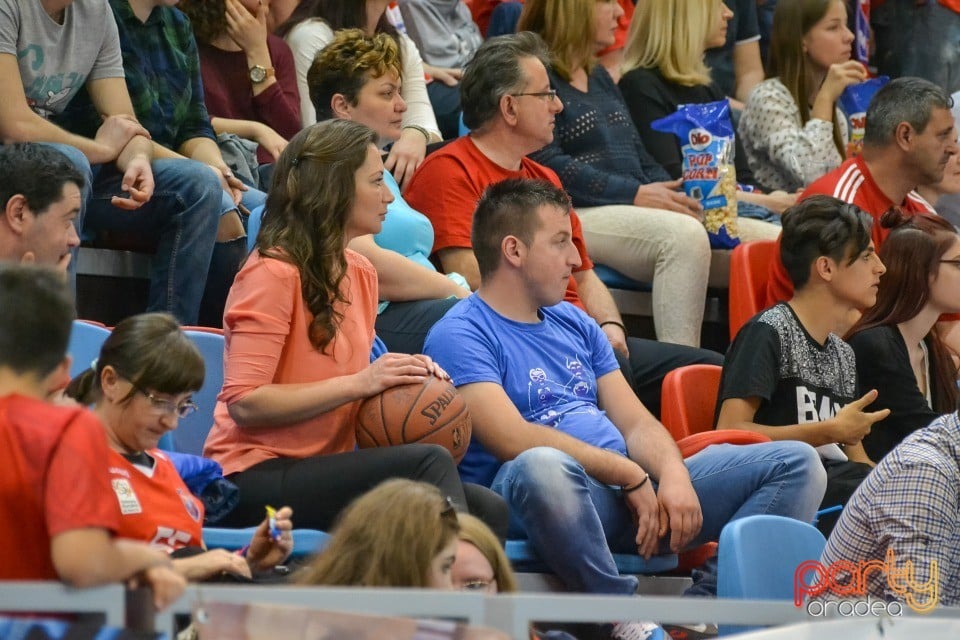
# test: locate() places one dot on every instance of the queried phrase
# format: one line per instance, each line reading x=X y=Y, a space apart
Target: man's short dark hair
x=37 y=172
x=821 y=226
x=495 y=72
x=910 y=100
x=36 y=319
x=509 y=208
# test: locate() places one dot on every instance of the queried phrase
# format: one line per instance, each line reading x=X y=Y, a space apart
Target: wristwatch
x=259 y=73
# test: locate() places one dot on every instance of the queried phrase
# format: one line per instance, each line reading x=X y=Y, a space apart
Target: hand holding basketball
x=431 y=411
x=392 y=369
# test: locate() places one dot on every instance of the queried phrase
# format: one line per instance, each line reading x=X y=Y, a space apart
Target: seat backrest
x=688 y=399
x=749 y=271
x=192 y=431
x=86 y=338
x=759 y=556
x=253 y=227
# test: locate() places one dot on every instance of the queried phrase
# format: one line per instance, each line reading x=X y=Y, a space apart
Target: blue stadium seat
x=192 y=431
x=758 y=556
x=85 y=342
x=525 y=560
x=253 y=227
x=305 y=541
x=616 y=280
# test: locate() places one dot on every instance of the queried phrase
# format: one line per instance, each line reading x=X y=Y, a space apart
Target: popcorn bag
x=707 y=142
x=853 y=103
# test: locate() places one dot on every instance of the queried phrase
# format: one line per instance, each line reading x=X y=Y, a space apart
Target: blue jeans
x=182 y=215
x=250 y=199
x=575 y=522
x=918 y=40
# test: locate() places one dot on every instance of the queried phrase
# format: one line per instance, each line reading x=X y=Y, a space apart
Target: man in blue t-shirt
x=584 y=467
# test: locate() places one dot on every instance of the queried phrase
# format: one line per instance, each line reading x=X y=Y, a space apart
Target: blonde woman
x=664 y=68
x=636 y=219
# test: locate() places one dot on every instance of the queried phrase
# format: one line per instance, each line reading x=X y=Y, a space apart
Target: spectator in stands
x=909 y=138
x=41 y=194
x=299 y=331
x=897 y=341
x=310 y=28
x=484 y=13
x=249 y=79
x=584 y=467
x=507 y=124
x=481 y=564
x=400 y=534
x=357 y=77
x=611 y=57
x=919 y=39
x=664 y=68
x=163 y=77
x=41 y=71
x=140 y=384
x=636 y=220
x=55 y=498
x=905 y=513
x=791 y=128
x=447 y=37
x=788 y=374
x=735 y=65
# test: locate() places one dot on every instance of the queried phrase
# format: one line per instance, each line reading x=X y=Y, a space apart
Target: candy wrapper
x=853 y=103
x=274 y=532
x=707 y=143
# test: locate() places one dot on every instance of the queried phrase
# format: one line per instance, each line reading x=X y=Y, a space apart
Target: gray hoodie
x=443 y=30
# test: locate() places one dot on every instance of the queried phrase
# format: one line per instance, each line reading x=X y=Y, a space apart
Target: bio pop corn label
x=707 y=143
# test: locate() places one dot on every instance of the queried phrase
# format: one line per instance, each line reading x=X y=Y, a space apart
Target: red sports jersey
x=155 y=507
x=52 y=481
x=850 y=182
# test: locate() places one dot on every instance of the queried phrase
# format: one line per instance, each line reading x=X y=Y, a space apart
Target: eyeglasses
x=955 y=262
x=550 y=94
x=166 y=407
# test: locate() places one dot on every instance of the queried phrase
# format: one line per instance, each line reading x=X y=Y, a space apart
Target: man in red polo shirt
x=909 y=137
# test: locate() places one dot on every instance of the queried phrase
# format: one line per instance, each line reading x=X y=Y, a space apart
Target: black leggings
x=318 y=488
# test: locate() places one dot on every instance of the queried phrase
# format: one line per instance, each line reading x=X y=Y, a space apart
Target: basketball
x=432 y=412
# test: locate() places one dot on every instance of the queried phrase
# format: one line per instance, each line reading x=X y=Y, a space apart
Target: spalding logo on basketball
x=430 y=412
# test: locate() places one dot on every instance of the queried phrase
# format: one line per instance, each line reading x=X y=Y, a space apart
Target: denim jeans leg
x=76 y=157
x=184 y=214
x=250 y=199
x=731 y=481
x=567 y=517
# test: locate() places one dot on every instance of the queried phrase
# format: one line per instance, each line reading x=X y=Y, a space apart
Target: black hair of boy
x=36 y=320
x=821 y=226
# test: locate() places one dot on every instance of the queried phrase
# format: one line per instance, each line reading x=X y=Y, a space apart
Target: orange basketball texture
x=431 y=412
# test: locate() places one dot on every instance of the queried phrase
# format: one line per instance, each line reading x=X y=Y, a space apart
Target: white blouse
x=782 y=152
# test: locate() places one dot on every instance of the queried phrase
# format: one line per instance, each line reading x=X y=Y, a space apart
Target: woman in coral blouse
x=299 y=328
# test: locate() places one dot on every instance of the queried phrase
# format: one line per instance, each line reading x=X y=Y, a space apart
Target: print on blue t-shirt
x=548 y=369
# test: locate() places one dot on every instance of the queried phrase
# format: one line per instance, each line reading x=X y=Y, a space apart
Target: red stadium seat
x=749 y=268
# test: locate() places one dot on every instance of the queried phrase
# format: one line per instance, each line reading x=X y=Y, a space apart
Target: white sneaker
x=637 y=631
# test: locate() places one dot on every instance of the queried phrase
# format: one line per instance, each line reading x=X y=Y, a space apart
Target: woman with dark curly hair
x=249 y=79
x=299 y=329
